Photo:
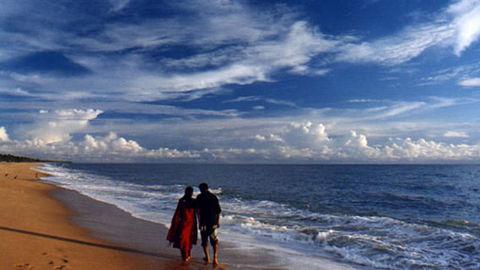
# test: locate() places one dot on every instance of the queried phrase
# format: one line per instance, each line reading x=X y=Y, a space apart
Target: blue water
x=367 y=216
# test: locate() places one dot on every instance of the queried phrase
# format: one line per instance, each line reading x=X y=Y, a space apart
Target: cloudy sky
x=306 y=81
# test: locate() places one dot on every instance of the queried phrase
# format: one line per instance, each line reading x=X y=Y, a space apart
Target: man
x=209 y=220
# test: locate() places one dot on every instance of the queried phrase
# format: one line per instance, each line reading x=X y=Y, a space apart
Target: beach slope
x=36 y=232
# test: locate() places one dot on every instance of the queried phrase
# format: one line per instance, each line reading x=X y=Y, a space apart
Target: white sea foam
x=303 y=237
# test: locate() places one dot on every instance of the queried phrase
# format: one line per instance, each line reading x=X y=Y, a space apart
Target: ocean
x=366 y=216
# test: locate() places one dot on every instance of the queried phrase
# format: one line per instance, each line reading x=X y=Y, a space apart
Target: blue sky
x=371 y=81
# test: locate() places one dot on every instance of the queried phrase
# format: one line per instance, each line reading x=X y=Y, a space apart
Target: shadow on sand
x=195 y=265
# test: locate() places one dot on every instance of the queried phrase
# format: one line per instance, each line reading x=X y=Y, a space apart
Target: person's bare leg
x=215 y=253
x=188 y=255
x=207 y=256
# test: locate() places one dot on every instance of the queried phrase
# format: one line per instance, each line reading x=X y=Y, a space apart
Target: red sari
x=183 y=230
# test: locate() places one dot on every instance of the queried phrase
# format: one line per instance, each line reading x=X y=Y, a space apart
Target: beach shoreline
x=112 y=224
x=36 y=231
x=73 y=231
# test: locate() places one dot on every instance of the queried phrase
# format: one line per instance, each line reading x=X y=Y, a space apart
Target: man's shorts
x=207 y=233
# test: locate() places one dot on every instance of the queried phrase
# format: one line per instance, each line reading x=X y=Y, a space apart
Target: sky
x=224 y=81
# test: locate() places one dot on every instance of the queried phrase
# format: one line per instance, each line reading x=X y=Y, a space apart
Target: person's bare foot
x=215 y=261
x=206 y=260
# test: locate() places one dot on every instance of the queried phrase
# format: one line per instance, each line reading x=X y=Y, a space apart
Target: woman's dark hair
x=189 y=191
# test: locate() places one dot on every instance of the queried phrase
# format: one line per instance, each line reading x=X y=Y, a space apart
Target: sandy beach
x=36 y=231
x=43 y=226
x=39 y=230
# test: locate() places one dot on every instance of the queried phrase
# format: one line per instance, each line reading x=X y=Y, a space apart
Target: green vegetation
x=12 y=158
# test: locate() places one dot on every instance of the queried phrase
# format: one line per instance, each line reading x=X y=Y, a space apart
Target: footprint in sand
x=25 y=266
x=58 y=262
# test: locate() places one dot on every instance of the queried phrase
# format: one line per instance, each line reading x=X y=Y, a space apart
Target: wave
x=372 y=241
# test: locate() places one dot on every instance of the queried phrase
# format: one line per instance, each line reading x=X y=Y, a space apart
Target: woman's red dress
x=183 y=229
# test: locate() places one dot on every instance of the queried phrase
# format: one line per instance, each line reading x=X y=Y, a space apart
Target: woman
x=183 y=230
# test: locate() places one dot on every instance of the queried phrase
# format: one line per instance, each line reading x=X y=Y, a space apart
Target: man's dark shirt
x=208 y=208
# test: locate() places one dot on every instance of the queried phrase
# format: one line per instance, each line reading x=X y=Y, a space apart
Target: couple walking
x=183 y=230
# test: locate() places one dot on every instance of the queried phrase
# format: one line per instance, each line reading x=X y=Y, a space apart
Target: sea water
x=367 y=216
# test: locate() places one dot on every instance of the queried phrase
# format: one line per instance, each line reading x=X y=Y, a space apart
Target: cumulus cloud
x=305 y=134
x=106 y=148
x=429 y=150
x=303 y=141
x=354 y=147
x=118 y=147
x=3 y=135
x=58 y=125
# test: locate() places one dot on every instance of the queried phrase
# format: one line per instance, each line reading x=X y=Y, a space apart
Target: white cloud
x=257 y=141
x=151 y=86
x=425 y=150
x=268 y=138
x=396 y=109
x=467 y=23
x=263 y=44
x=58 y=125
x=356 y=140
x=458 y=26
x=399 y=48
x=452 y=73
x=455 y=134
x=305 y=132
x=117 y=147
x=261 y=99
x=306 y=70
x=296 y=47
x=355 y=147
x=301 y=43
x=109 y=148
x=470 y=82
x=3 y=135
x=19 y=92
